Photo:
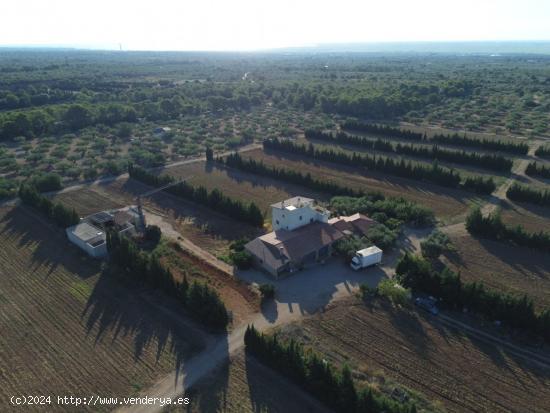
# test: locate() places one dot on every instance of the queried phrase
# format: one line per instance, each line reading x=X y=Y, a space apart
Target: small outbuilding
x=89 y=238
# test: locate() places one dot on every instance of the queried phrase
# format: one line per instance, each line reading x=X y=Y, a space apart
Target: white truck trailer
x=366 y=257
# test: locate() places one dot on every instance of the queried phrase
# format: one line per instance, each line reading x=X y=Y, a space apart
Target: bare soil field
x=244 y=385
x=447 y=204
x=500 y=266
x=67 y=329
x=241 y=185
x=533 y=218
x=460 y=373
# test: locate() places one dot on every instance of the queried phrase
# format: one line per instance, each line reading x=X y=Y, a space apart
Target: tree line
x=201 y=302
x=454 y=139
x=417 y=273
x=366 y=201
x=488 y=161
x=63 y=216
x=333 y=387
x=215 y=199
x=535 y=169
x=543 y=151
x=523 y=193
x=492 y=227
x=406 y=169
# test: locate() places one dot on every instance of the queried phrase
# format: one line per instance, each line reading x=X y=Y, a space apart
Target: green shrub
x=267 y=291
x=394 y=291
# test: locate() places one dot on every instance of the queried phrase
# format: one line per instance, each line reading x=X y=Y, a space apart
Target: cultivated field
x=500 y=266
x=69 y=330
x=447 y=204
x=458 y=372
x=244 y=385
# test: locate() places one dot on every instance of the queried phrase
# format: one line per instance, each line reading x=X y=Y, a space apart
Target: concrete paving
x=311 y=289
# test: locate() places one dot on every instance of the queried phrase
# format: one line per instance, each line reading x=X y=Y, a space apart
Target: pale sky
x=263 y=24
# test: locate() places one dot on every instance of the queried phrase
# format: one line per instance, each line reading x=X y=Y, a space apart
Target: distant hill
x=470 y=48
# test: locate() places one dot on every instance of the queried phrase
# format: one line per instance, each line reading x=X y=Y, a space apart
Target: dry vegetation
x=244 y=385
x=456 y=371
x=500 y=266
x=68 y=329
x=446 y=203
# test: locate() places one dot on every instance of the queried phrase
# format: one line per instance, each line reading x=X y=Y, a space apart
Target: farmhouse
x=90 y=233
x=302 y=234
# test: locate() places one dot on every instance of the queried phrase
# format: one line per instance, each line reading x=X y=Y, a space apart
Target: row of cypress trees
x=417 y=273
x=488 y=161
x=535 y=169
x=201 y=302
x=406 y=169
x=492 y=227
x=454 y=139
x=543 y=151
x=63 y=216
x=321 y=379
x=394 y=207
x=523 y=193
x=215 y=199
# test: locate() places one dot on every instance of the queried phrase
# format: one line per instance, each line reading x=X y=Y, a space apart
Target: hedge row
x=215 y=199
x=406 y=169
x=366 y=201
x=454 y=139
x=311 y=372
x=201 y=302
x=488 y=161
x=417 y=273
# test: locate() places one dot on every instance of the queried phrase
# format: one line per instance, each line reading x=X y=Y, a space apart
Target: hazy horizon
x=245 y=25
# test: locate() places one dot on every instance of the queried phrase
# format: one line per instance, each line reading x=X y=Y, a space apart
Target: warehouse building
x=302 y=234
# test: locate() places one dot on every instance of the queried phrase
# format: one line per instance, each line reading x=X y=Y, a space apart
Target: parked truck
x=366 y=257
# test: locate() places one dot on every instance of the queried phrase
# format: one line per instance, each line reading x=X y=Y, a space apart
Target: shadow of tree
x=23 y=222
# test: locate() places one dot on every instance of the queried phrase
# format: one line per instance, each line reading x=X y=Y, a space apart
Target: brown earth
x=68 y=329
x=459 y=372
x=504 y=267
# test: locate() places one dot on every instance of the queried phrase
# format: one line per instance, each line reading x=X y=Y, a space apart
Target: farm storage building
x=303 y=234
x=89 y=238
